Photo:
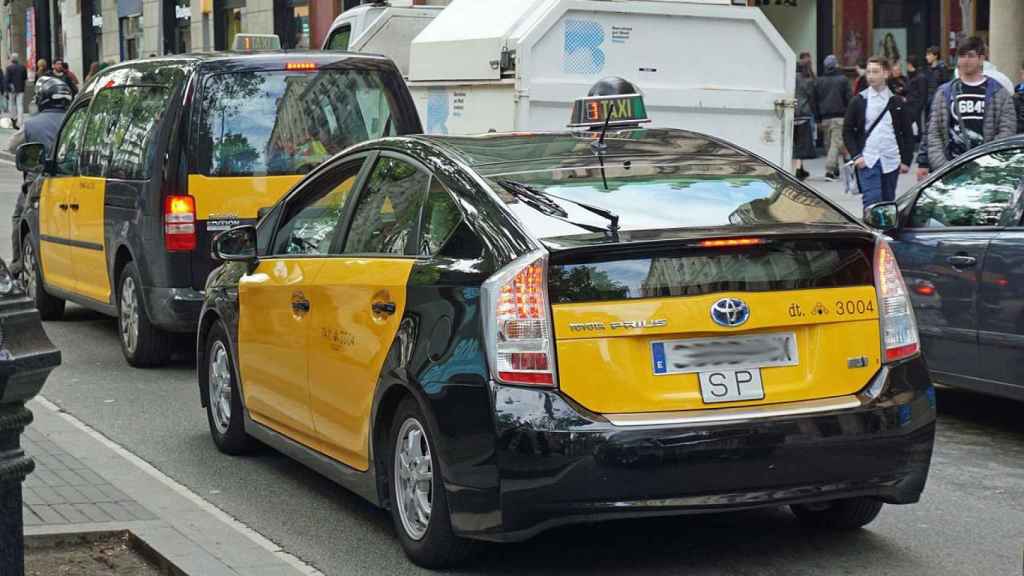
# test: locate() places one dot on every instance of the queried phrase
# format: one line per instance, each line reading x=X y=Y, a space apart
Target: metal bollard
x=27 y=356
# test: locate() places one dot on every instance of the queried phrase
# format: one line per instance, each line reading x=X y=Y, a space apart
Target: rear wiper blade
x=543 y=202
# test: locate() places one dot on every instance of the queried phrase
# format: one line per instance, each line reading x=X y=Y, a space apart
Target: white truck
x=478 y=66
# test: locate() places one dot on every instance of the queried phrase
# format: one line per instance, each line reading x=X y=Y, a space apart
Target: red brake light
x=300 y=66
x=518 y=323
x=180 y=223
x=730 y=242
x=895 y=313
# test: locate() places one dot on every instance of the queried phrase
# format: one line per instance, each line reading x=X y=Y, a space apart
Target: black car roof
x=255 y=60
x=494 y=153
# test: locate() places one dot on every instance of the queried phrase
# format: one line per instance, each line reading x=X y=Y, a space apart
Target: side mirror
x=31 y=157
x=236 y=245
x=882 y=216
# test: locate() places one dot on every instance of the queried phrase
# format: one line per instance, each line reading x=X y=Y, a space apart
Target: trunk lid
x=635 y=329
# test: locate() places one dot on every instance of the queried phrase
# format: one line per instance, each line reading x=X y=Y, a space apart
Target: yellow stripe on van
x=610 y=369
x=237 y=196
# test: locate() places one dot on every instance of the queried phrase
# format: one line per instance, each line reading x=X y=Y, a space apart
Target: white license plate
x=724 y=353
x=731 y=385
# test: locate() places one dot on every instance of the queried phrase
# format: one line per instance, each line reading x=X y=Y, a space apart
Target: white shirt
x=881 y=143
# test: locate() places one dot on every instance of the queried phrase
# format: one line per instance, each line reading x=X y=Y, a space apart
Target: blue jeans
x=876 y=186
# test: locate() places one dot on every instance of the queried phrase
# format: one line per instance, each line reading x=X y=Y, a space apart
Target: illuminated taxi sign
x=621 y=110
x=253 y=42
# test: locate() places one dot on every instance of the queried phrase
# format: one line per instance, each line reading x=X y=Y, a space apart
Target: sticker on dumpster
x=583 y=53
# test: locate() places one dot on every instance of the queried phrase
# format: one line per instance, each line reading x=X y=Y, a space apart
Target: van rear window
x=263 y=123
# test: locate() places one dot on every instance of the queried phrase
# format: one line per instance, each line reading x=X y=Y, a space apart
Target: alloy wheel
x=414 y=478
x=129 y=314
x=28 y=271
x=220 y=386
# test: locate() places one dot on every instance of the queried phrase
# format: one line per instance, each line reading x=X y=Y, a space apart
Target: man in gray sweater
x=970 y=110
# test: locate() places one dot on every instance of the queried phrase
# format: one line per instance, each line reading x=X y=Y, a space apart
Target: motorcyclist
x=52 y=98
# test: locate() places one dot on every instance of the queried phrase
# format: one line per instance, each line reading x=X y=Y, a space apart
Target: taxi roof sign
x=618 y=110
x=250 y=42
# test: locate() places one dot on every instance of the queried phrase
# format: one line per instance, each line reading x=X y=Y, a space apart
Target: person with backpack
x=879 y=135
x=970 y=110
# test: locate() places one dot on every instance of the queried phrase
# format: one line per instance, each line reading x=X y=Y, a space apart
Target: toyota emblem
x=730 y=312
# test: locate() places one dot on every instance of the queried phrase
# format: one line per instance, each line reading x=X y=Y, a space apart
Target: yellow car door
x=54 y=210
x=358 y=301
x=86 y=202
x=276 y=306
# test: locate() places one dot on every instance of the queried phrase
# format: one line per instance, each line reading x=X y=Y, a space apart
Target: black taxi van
x=157 y=155
x=494 y=335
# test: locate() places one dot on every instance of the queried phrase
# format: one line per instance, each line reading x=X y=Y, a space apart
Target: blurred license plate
x=724 y=354
x=731 y=385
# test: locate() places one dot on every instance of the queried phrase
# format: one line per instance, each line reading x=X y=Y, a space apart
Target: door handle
x=962 y=261
x=384 y=308
x=62 y=206
x=74 y=206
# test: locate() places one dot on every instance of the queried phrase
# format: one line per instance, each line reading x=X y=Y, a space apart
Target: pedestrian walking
x=16 y=76
x=897 y=81
x=832 y=98
x=803 y=120
x=42 y=68
x=878 y=133
x=917 y=93
x=861 y=82
x=805 y=58
x=61 y=70
x=970 y=110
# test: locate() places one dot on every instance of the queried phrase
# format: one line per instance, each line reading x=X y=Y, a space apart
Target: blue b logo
x=583 y=54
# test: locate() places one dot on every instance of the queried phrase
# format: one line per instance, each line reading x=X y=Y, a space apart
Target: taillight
x=895 y=313
x=517 y=322
x=180 y=223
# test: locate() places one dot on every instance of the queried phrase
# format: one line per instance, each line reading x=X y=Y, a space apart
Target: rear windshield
x=698 y=194
x=261 y=123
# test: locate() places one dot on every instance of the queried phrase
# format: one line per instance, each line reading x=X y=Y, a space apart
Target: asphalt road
x=970 y=520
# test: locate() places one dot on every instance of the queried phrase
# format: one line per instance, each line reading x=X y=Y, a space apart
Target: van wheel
x=848 y=514
x=224 y=398
x=419 y=507
x=50 y=308
x=141 y=343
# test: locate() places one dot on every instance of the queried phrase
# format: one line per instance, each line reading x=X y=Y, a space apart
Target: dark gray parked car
x=959 y=239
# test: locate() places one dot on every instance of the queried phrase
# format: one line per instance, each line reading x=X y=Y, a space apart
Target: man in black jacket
x=16 y=76
x=878 y=133
x=832 y=94
x=917 y=92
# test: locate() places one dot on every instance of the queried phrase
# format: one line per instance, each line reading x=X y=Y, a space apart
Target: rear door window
x=340 y=39
x=387 y=215
x=260 y=123
x=312 y=219
x=104 y=115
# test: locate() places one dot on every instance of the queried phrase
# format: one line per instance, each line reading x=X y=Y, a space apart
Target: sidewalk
x=83 y=482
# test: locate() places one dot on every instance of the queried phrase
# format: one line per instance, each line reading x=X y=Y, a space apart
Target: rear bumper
x=174 y=309
x=559 y=464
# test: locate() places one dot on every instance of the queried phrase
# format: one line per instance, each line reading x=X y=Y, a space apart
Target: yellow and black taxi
x=156 y=156
x=494 y=335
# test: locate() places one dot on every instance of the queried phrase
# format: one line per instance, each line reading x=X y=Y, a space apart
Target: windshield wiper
x=542 y=202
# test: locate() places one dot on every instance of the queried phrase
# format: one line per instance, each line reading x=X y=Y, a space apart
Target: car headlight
x=7 y=283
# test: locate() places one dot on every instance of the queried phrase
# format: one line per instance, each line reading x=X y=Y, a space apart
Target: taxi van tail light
x=180 y=223
x=895 y=313
x=517 y=323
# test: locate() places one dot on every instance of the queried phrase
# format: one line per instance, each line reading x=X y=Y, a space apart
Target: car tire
x=50 y=307
x=223 y=396
x=849 y=514
x=432 y=544
x=142 y=343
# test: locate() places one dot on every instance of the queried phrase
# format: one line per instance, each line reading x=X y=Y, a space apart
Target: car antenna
x=599 y=147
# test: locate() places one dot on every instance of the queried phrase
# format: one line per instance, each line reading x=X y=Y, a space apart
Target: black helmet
x=613 y=86
x=52 y=93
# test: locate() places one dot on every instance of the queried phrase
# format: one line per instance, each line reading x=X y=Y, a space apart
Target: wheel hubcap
x=220 y=387
x=28 y=271
x=129 y=314
x=414 y=478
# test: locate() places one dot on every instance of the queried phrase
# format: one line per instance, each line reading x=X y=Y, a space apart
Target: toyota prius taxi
x=491 y=336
